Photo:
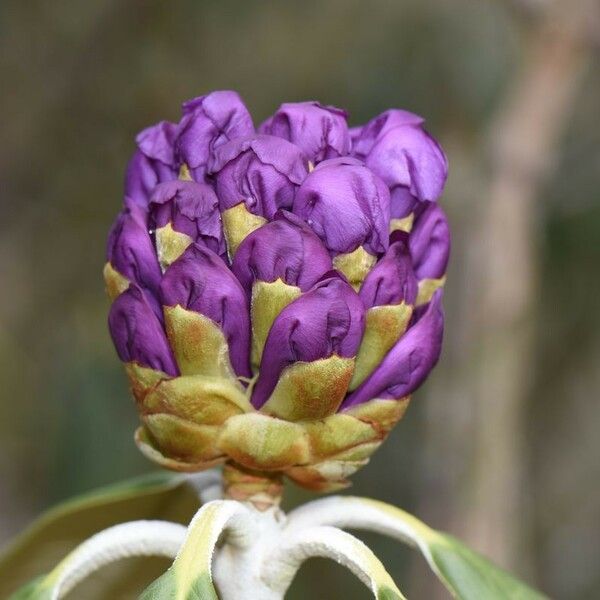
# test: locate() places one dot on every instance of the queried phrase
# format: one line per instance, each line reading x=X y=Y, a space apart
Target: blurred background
x=502 y=446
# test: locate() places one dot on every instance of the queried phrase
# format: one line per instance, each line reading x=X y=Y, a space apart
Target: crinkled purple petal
x=364 y=137
x=200 y=281
x=152 y=163
x=138 y=334
x=351 y=161
x=429 y=241
x=207 y=123
x=320 y=131
x=392 y=280
x=326 y=320
x=191 y=208
x=397 y=148
x=262 y=171
x=130 y=250
x=285 y=249
x=156 y=142
x=409 y=362
x=346 y=205
x=409 y=157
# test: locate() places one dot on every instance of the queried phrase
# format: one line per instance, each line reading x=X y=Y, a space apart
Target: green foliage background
x=80 y=79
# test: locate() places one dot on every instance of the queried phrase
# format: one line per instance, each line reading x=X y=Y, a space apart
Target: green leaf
x=32 y=591
x=189 y=577
x=343 y=548
x=165 y=587
x=159 y=495
x=469 y=575
x=465 y=574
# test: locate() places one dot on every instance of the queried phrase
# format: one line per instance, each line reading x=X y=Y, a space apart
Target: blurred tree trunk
x=477 y=404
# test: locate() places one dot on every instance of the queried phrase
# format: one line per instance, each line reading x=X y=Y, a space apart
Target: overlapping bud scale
x=276 y=294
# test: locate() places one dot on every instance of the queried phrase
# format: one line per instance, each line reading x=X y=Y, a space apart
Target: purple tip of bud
x=200 y=281
x=320 y=131
x=207 y=123
x=364 y=137
x=138 y=334
x=130 y=250
x=262 y=171
x=396 y=147
x=152 y=162
x=191 y=208
x=156 y=142
x=285 y=249
x=354 y=133
x=347 y=206
x=407 y=365
x=429 y=242
x=340 y=161
x=326 y=320
x=392 y=280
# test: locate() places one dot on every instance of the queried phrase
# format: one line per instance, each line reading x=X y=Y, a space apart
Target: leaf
x=335 y=544
x=470 y=575
x=32 y=591
x=135 y=538
x=465 y=574
x=189 y=577
x=165 y=587
x=159 y=495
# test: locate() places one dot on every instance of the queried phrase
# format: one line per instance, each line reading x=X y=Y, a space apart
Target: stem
x=261 y=489
x=207 y=484
x=237 y=565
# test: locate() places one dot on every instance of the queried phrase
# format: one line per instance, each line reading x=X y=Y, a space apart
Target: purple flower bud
x=410 y=360
x=138 y=334
x=392 y=280
x=320 y=131
x=200 y=281
x=285 y=248
x=258 y=272
x=130 y=250
x=152 y=163
x=411 y=162
x=191 y=208
x=429 y=242
x=207 y=123
x=326 y=320
x=262 y=171
x=346 y=205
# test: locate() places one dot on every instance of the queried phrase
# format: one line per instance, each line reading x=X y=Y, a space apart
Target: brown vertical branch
x=476 y=409
x=524 y=141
